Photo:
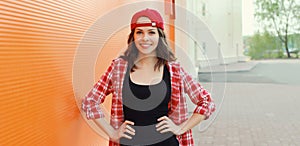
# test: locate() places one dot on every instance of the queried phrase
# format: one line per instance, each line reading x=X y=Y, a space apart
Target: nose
x=145 y=37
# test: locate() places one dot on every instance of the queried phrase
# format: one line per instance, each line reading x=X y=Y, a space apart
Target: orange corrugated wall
x=38 y=40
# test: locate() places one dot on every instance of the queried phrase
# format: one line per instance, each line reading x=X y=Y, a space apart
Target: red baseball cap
x=153 y=15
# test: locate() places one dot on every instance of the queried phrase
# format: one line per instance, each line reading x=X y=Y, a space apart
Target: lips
x=145 y=46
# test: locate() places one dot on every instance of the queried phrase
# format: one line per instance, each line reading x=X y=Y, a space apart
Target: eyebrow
x=148 y=29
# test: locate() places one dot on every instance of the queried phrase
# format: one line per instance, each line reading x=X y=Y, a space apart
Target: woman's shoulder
x=175 y=64
x=119 y=60
x=118 y=64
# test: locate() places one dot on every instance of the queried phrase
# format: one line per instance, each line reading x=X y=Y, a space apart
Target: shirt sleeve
x=199 y=96
x=93 y=99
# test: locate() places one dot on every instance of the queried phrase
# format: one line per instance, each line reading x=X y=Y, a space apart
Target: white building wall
x=223 y=20
x=184 y=52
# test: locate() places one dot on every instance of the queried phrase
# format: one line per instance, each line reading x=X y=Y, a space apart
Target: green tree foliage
x=264 y=46
x=295 y=40
x=281 y=17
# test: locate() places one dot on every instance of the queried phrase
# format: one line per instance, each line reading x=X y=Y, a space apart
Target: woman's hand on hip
x=125 y=131
x=167 y=125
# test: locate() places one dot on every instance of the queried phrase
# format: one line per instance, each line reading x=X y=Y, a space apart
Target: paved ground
x=255 y=112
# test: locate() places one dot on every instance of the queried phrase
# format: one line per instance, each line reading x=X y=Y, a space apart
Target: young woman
x=148 y=87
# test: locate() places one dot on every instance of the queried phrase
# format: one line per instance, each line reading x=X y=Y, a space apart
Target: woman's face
x=146 y=37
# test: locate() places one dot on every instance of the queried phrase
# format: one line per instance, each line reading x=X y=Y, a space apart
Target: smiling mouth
x=145 y=45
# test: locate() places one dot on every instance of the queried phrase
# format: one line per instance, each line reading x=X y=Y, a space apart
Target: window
x=203 y=9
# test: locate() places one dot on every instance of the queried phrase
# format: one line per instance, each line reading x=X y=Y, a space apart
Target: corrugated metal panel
x=38 y=41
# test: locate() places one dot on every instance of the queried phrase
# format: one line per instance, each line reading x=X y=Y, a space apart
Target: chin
x=148 y=51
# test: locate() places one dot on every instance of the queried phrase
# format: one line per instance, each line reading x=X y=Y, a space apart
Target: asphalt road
x=275 y=73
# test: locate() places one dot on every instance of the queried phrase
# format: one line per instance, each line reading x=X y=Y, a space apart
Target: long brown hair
x=163 y=51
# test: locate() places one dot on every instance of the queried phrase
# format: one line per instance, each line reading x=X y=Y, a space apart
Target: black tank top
x=144 y=104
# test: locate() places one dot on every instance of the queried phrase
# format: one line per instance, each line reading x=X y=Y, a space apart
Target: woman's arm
x=96 y=96
x=116 y=134
x=91 y=105
x=167 y=125
x=198 y=95
x=194 y=120
x=204 y=107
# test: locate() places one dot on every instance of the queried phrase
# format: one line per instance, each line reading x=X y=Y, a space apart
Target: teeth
x=145 y=45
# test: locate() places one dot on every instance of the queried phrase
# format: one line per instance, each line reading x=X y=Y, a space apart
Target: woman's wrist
x=114 y=135
x=181 y=129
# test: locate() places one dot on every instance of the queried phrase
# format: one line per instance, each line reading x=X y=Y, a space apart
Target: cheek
x=155 y=40
x=137 y=38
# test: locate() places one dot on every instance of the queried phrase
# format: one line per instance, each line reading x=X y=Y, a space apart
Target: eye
x=139 y=32
x=152 y=32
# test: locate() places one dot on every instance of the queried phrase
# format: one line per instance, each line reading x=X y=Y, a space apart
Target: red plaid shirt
x=181 y=82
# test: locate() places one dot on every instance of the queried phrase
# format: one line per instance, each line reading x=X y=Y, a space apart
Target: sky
x=248 y=17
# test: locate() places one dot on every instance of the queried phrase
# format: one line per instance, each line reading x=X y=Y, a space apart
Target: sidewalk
x=254 y=115
x=233 y=67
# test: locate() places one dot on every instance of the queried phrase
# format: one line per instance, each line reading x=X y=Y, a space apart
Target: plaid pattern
x=112 y=80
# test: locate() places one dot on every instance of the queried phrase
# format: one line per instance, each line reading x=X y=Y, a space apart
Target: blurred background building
x=220 y=19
